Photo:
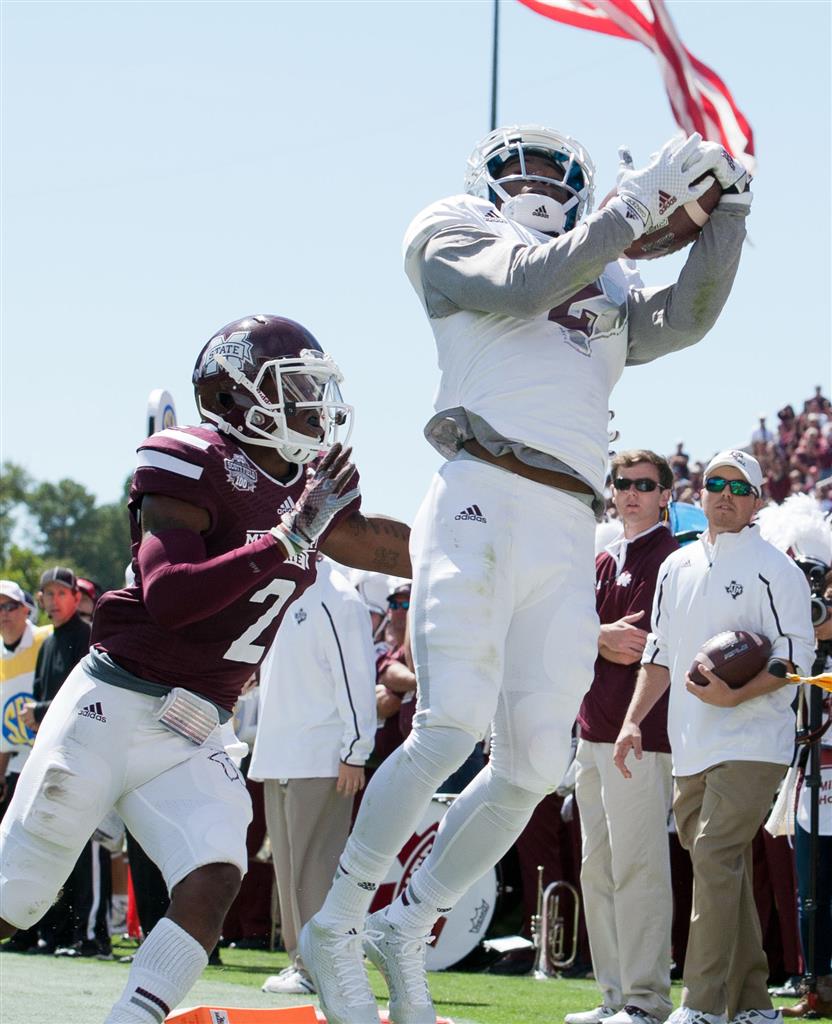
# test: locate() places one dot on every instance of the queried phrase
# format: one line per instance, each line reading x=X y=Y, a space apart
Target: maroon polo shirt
x=618 y=594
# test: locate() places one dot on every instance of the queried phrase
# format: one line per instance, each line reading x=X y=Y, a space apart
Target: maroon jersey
x=618 y=594
x=213 y=656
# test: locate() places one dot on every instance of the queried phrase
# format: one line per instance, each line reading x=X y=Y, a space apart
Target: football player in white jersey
x=535 y=316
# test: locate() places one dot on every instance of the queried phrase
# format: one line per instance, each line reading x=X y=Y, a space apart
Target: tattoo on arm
x=371 y=542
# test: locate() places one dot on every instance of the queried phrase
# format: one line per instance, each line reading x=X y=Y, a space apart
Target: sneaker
x=685 y=1015
x=590 y=1016
x=773 y=1016
x=336 y=966
x=785 y=991
x=290 y=981
x=401 y=961
x=632 y=1015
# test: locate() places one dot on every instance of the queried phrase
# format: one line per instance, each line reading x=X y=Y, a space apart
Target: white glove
x=731 y=175
x=654 y=192
x=327 y=491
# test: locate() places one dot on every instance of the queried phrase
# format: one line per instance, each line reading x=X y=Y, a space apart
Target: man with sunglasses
x=625 y=861
x=730 y=748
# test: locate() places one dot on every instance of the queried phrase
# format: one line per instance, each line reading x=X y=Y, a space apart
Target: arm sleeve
x=786 y=611
x=655 y=647
x=352 y=661
x=467 y=267
x=181 y=584
x=663 y=320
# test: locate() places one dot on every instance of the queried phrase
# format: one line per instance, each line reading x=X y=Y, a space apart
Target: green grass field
x=46 y=990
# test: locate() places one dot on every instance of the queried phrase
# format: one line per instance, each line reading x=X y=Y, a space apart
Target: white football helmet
x=483 y=177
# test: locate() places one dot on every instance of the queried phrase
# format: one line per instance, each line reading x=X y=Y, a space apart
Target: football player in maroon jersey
x=226 y=518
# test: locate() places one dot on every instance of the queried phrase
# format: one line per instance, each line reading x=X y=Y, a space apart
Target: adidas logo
x=93 y=711
x=665 y=202
x=472 y=512
x=540 y=211
x=492 y=215
x=286 y=506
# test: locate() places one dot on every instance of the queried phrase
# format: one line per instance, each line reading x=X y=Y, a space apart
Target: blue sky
x=168 y=167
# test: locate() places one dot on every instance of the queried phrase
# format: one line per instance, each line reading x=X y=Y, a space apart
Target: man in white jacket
x=730 y=748
x=316 y=729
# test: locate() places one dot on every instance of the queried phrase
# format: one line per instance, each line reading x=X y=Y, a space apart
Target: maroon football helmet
x=257 y=374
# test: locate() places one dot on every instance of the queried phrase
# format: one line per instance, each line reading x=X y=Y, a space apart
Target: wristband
x=631 y=213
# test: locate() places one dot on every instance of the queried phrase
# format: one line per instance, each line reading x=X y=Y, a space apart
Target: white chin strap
x=539 y=212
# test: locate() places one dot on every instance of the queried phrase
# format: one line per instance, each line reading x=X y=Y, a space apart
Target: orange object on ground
x=241 y=1015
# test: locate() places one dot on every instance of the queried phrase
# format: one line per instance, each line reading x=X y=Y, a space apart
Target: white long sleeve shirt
x=739 y=582
x=532 y=333
x=317 y=686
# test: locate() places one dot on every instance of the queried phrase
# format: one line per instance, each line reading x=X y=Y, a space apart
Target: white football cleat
x=401 y=961
x=335 y=963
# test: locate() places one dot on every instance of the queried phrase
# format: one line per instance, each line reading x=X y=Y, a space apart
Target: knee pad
x=30 y=878
x=435 y=752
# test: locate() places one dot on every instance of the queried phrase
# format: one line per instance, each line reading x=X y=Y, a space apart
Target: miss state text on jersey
x=212 y=656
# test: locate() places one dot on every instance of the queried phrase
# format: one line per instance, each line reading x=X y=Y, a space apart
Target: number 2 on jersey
x=244 y=648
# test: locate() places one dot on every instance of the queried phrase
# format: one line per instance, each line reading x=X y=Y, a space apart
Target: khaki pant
x=625 y=875
x=718 y=812
x=308 y=823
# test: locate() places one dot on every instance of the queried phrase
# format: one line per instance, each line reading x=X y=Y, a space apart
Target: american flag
x=700 y=100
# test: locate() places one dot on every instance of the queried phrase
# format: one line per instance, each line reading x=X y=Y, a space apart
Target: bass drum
x=459 y=932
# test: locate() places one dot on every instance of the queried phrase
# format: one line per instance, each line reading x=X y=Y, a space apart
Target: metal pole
x=494 y=54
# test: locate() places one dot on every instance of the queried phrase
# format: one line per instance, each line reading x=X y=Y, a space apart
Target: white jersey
x=739 y=582
x=317 y=686
x=532 y=333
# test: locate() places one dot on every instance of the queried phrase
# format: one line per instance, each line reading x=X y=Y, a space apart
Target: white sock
x=163 y=971
x=417 y=909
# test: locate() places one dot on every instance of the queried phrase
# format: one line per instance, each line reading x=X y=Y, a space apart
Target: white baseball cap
x=745 y=463
x=12 y=590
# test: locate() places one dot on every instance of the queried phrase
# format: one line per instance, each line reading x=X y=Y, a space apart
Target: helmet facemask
x=538 y=211
x=290 y=388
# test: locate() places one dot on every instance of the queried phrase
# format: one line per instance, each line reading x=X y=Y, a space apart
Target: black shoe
x=214 y=958
x=515 y=961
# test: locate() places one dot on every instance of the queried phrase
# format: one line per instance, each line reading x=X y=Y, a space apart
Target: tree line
x=44 y=524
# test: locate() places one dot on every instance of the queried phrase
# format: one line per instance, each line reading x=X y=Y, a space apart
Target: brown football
x=736 y=656
x=680 y=229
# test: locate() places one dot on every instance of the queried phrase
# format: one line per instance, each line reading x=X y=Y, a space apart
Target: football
x=736 y=656
x=680 y=229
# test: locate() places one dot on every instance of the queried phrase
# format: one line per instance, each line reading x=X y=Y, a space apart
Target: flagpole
x=494 y=53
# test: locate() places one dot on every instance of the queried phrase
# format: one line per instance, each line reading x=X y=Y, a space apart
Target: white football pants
x=100 y=746
x=504 y=630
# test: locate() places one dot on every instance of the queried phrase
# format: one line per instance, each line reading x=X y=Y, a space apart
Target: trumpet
x=555 y=950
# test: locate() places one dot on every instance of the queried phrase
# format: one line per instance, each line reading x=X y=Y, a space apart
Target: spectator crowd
x=795 y=455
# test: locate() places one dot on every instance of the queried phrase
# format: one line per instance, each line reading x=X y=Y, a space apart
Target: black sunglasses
x=643 y=483
x=395 y=605
x=739 y=488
